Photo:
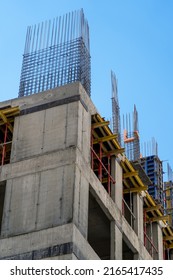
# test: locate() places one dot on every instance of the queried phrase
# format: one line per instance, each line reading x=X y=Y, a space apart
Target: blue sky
x=133 y=38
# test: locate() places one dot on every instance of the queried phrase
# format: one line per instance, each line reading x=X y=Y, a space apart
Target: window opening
x=128 y=253
x=127 y=209
x=98 y=229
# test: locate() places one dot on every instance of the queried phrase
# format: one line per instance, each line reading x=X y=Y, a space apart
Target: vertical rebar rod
x=115 y=107
x=56 y=53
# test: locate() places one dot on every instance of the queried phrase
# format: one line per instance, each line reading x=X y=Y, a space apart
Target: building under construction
x=168 y=195
x=67 y=188
x=153 y=168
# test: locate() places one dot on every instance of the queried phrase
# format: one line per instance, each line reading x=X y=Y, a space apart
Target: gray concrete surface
x=49 y=181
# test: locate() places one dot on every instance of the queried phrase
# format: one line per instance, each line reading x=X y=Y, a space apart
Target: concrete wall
x=56 y=95
x=171 y=254
x=117 y=196
x=158 y=241
x=43 y=197
x=50 y=130
x=62 y=242
x=138 y=212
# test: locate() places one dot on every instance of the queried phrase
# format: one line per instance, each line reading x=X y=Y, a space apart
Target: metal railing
x=128 y=214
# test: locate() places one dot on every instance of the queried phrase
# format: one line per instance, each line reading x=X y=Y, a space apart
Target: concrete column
x=171 y=254
x=81 y=185
x=116 y=242
x=136 y=256
x=158 y=241
x=80 y=202
x=116 y=195
x=149 y=234
x=138 y=212
x=117 y=188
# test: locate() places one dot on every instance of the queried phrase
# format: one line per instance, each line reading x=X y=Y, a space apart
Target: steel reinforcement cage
x=56 y=53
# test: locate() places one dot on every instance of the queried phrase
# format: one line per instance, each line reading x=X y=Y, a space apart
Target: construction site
x=71 y=186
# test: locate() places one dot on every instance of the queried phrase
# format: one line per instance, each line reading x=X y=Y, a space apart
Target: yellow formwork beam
x=113 y=152
x=100 y=124
x=170 y=246
x=4 y=118
x=9 y=121
x=105 y=139
x=130 y=174
x=107 y=130
x=130 y=167
x=7 y=116
x=105 y=180
x=10 y=110
x=168 y=238
x=152 y=208
x=158 y=218
x=126 y=165
x=133 y=190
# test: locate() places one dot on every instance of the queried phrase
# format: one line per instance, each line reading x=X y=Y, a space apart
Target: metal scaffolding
x=154 y=169
x=56 y=53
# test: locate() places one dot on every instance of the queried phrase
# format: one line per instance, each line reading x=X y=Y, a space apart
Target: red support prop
x=103 y=166
x=100 y=161
x=109 y=181
x=4 y=145
x=92 y=156
x=145 y=229
x=146 y=238
x=152 y=245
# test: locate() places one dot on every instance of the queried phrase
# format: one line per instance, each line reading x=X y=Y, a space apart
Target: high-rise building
x=67 y=189
x=153 y=168
x=168 y=195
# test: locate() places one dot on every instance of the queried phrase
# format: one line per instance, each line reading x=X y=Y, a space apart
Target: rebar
x=56 y=53
x=115 y=108
x=150 y=148
x=131 y=136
